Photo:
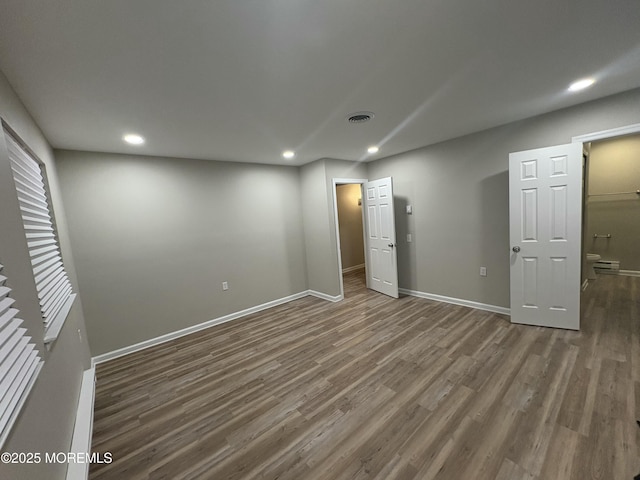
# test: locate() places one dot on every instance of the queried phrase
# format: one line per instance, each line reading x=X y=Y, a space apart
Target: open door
x=380 y=237
x=545 y=210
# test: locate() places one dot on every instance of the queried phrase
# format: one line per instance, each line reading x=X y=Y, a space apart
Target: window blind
x=20 y=361
x=52 y=282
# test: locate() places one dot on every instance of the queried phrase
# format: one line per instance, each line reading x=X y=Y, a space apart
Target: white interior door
x=380 y=237
x=545 y=209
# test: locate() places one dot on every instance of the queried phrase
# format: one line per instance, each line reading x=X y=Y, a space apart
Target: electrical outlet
x=225 y=285
x=409 y=239
x=483 y=271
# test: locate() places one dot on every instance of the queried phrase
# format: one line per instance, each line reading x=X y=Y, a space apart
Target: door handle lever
x=391 y=245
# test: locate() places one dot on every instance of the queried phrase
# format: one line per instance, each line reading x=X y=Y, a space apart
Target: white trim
x=152 y=342
x=56 y=325
x=624 y=273
x=353 y=269
x=325 y=296
x=335 y=182
x=83 y=429
x=456 y=301
x=348 y=181
x=604 y=134
x=629 y=273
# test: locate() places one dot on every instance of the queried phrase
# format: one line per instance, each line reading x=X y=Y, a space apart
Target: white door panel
x=545 y=204
x=382 y=263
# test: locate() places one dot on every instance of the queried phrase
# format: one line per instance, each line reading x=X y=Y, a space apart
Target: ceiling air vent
x=360 y=117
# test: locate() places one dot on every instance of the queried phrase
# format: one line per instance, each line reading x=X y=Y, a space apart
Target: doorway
x=612 y=207
x=350 y=237
x=613 y=286
x=527 y=283
x=379 y=234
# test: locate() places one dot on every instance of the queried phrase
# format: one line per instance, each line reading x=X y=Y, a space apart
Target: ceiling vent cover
x=360 y=117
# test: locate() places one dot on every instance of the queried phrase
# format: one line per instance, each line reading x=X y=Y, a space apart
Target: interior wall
x=615 y=167
x=47 y=420
x=349 y=199
x=154 y=239
x=316 y=179
x=459 y=191
x=315 y=203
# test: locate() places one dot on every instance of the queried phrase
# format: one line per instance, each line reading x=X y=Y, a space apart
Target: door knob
x=516 y=249
x=390 y=245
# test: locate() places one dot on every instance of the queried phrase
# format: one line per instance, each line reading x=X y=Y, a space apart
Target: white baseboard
x=325 y=296
x=456 y=301
x=83 y=429
x=629 y=273
x=195 y=328
x=210 y=323
x=624 y=273
x=353 y=269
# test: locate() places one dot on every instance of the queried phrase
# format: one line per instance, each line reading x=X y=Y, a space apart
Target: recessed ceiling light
x=133 y=139
x=288 y=154
x=581 y=84
x=373 y=149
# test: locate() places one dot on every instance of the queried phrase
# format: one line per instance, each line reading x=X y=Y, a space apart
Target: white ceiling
x=243 y=80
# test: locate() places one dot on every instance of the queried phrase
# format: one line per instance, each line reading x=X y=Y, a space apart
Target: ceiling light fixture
x=373 y=149
x=133 y=139
x=581 y=84
x=288 y=154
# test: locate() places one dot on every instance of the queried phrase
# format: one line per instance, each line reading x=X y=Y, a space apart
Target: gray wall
x=459 y=192
x=315 y=205
x=154 y=239
x=350 y=224
x=319 y=220
x=46 y=423
x=614 y=166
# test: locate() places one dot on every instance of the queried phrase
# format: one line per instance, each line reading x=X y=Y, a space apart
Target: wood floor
x=378 y=388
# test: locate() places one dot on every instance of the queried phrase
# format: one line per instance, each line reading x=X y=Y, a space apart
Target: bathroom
x=611 y=221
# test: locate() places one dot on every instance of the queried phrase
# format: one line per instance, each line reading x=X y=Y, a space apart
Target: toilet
x=592 y=258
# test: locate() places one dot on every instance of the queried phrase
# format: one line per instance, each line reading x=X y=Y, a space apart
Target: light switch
x=409 y=209
x=409 y=239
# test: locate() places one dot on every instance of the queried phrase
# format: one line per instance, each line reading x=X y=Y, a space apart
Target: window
x=52 y=282
x=20 y=361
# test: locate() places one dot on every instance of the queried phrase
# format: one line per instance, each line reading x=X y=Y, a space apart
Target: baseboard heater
x=607 y=266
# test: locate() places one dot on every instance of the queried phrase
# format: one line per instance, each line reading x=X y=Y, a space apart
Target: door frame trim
x=610 y=133
x=605 y=134
x=335 y=182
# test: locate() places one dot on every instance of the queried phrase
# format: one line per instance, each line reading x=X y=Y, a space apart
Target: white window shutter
x=52 y=282
x=20 y=361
